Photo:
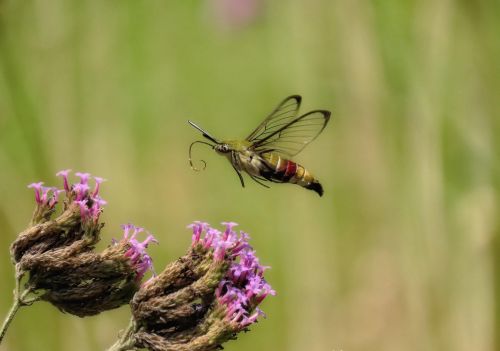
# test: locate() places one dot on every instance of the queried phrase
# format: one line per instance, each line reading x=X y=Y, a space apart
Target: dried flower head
x=204 y=298
x=58 y=257
x=90 y=283
x=77 y=224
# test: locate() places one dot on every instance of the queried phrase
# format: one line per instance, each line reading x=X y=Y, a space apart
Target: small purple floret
x=45 y=196
x=96 y=209
x=84 y=210
x=55 y=197
x=64 y=173
x=126 y=229
x=38 y=191
x=84 y=177
x=81 y=191
x=98 y=181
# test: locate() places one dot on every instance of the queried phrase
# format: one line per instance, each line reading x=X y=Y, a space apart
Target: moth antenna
x=191 y=159
x=204 y=132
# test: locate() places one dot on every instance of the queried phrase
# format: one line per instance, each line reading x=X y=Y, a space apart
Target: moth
x=266 y=154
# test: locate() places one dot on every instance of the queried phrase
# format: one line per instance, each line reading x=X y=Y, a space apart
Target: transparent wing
x=283 y=114
x=290 y=138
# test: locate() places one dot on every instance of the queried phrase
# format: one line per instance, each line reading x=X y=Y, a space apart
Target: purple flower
x=210 y=238
x=126 y=229
x=84 y=177
x=244 y=286
x=38 y=191
x=198 y=228
x=246 y=321
x=224 y=243
x=55 y=197
x=229 y=229
x=136 y=251
x=90 y=203
x=221 y=246
x=84 y=210
x=257 y=289
x=81 y=190
x=43 y=196
x=64 y=173
x=98 y=181
x=96 y=209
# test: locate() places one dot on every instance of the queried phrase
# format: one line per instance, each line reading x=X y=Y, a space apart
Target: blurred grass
x=402 y=253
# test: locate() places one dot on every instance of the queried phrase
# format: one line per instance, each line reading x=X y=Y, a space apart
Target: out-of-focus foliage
x=402 y=252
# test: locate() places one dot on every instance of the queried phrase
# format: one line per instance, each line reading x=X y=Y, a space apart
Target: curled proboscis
x=191 y=159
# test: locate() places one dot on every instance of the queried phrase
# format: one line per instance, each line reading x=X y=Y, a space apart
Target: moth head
x=223 y=148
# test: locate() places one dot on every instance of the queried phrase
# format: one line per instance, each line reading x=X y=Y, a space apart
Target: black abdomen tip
x=316 y=187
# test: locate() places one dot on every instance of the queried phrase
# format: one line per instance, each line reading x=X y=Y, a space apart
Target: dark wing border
x=275 y=113
x=266 y=144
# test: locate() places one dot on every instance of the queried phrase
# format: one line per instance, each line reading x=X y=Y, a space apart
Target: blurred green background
x=402 y=252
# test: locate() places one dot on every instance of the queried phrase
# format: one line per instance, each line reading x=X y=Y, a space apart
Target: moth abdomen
x=287 y=171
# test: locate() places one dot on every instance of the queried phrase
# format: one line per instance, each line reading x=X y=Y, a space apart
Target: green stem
x=126 y=340
x=9 y=318
x=18 y=302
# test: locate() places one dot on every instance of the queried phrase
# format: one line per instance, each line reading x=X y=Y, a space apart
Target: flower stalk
x=19 y=301
x=126 y=340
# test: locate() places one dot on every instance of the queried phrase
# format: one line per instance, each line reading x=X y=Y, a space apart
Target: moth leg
x=233 y=163
x=264 y=179
x=256 y=179
x=239 y=175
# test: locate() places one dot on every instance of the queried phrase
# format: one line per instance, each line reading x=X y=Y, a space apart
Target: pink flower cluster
x=224 y=243
x=136 y=253
x=244 y=286
x=87 y=199
x=45 y=196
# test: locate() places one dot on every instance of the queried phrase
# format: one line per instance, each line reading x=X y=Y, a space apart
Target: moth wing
x=283 y=114
x=292 y=137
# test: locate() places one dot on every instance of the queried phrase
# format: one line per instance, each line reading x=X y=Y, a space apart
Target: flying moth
x=266 y=154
